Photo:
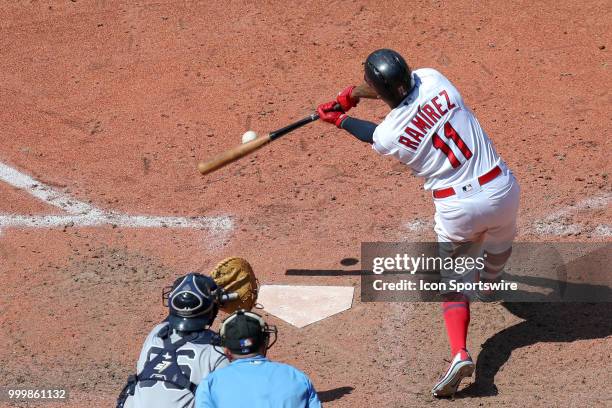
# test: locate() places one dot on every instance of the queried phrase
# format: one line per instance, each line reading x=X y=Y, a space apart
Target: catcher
x=431 y=130
x=182 y=350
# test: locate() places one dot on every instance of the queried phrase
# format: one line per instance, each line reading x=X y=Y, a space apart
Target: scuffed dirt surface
x=115 y=103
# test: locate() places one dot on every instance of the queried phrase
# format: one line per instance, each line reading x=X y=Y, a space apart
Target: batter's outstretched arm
x=361 y=129
x=349 y=98
x=364 y=91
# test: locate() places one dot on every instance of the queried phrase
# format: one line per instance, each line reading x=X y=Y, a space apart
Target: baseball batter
x=431 y=130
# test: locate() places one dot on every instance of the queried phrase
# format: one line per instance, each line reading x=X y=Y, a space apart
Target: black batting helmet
x=191 y=302
x=388 y=74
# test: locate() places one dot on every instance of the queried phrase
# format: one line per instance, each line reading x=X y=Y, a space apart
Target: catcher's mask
x=389 y=75
x=246 y=332
x=191 y=302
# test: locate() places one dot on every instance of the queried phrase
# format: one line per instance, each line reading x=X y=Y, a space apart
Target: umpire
x=252 y=380
x=179 y=352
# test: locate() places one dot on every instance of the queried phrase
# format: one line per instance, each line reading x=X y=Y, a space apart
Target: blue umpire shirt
x=256 y=382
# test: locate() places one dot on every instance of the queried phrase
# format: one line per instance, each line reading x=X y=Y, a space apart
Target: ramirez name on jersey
x=436 y=134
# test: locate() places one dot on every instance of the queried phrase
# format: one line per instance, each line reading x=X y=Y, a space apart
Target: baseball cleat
x=462 y=366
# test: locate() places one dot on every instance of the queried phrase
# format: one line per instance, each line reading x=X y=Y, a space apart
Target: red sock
x=457 y=319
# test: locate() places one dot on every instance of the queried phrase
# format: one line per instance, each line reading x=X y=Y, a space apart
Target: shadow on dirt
x=334 y=394
x=547 y=321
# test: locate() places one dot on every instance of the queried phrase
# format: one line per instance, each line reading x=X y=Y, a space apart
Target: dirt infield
x=113 y=104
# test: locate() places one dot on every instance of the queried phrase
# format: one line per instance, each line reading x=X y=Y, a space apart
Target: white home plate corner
x=304 y=305
x=81 y=214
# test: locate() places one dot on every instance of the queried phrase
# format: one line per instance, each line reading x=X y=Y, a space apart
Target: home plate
x=303 y=305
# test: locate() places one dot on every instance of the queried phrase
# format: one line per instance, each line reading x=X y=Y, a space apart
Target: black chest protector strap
x=164 y=366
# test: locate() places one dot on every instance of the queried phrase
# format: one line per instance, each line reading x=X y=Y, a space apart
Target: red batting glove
x=346 y=100
x=327 y=114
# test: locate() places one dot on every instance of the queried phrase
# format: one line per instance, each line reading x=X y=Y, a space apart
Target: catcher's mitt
x=235 y=275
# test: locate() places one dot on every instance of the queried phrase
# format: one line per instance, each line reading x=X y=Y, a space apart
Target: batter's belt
x=482 y=180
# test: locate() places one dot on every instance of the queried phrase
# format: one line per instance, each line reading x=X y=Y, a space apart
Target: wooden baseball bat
x=242 y=150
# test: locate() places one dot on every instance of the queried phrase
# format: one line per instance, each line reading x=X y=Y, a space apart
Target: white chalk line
x=134 y=221
x=589 y=203
x=86 y=215
x=553 y=224
x=603 y=230
x=42 y=191
x=557 y=223
x=418 y=225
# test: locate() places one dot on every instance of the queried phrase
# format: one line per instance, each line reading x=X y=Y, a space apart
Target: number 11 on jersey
x=451 y=134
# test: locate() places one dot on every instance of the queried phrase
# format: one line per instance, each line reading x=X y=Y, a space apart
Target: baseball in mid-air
x=248 y=136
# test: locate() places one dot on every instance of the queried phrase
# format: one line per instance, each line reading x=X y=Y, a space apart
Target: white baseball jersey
x=436 y=134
